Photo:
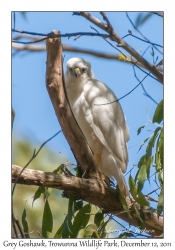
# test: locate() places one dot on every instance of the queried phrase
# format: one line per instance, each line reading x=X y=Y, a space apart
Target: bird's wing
x=108 y=121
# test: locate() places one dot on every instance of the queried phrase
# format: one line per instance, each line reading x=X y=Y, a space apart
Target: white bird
x=104 y=126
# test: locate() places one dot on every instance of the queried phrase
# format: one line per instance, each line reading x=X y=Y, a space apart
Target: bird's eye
x=71 y=69
x=83 y=70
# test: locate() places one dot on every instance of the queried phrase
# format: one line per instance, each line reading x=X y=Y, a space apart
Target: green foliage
x=98 y=218
x=137 y=195
x=59 y=232
x=89 y=230
x=125 y=235
x=123 y=202
x=100 y=224
x=153 y=155
x=139 y=129
x=67 y=224
x=141 y=174
x=25 y=224
x=46 y=160
x=80 y=220
x=158 y=115
x=38 y=193
x=47 y=222
x=160 y=203
x=142 y=18
x=73 y=221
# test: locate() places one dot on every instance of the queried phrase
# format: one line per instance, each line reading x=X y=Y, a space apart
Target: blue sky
x=35 y=117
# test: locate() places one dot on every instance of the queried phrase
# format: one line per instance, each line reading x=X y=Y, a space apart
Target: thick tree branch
x=115 y=37
x=58 y=96
x=90 y=190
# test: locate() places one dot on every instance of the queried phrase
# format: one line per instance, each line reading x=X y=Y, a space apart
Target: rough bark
x=92 y=191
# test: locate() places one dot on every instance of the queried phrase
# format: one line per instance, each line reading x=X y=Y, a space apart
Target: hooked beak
x=77 y=72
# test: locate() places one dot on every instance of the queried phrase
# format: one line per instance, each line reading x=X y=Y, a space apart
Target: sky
x=35 y=117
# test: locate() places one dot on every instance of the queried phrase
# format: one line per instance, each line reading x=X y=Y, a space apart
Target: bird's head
x=78 y=69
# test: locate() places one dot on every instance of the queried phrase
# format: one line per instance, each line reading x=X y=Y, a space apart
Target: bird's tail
x=109 y=166
x=122 y=184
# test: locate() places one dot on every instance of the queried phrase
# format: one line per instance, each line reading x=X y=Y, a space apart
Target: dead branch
x=121 y=43
x=89 y=190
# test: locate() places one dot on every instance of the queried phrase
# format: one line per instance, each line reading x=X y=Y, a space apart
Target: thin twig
x=128 y=230
x=143 y=40
x=37 y=41
x=153 y=191
x=142 y=34
x=157 y=13
x=40 y=234
x=68 y=161
x=50 y=34
x=110 y=43
x=125 y=94
x=131 y=169
x=145 y=92
x=15 y=223
x=150 y=198
x=115 y=37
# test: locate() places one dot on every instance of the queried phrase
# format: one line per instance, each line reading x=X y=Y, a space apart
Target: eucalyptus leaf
x=160 y=203
x=158 y=115
x=133 y=186
x=39 y=191
x=123 y=202
x=47 y=222
x=81 y=233
x=80 y=220
x=90 y=229
x=142 y=18
x=98 y=217
x=139 y=129
x=141 y=176
x=67 y=225
x=25 y=224
x=59 y=232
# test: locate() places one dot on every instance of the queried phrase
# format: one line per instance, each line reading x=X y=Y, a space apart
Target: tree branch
x=68 y=48
x=115 y=37
x=90 y=190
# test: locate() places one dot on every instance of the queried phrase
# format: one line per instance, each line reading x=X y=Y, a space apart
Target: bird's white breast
x=82 y=112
